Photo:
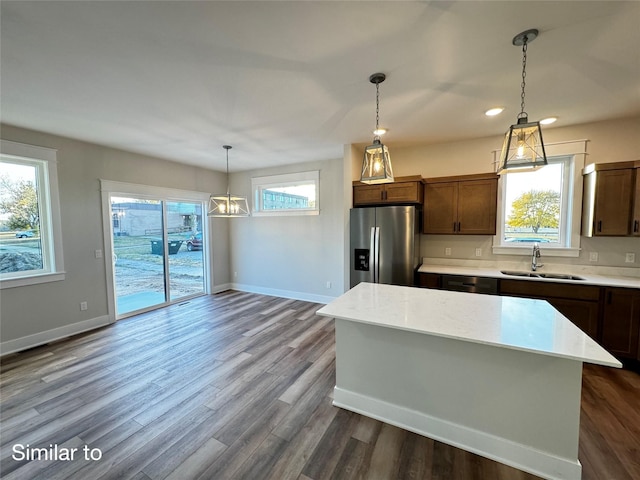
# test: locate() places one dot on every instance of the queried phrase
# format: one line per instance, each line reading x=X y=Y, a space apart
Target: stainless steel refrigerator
x=384 y=244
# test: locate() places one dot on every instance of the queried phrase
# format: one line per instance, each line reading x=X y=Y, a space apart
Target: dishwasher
x=463 y=283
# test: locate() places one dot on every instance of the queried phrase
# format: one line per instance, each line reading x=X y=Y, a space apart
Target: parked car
x=195 y=242
x=25 y=234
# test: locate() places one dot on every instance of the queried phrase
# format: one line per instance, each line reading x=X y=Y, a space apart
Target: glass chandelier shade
x=225 y=205
x=523 y=147
x=376 y=164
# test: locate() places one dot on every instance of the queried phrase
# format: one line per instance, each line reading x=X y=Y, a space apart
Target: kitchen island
x=497 y=376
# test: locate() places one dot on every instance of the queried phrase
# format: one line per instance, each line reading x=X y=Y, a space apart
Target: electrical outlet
x=593 y=256
x=630 y=258
x=447 y=251
x=98 y=253
x=478 y=252
x=83 y=306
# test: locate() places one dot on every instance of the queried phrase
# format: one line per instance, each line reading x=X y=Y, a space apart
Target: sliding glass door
x=157 y=252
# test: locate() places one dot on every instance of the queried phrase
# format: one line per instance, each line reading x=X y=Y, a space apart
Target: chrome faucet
x=535 y=255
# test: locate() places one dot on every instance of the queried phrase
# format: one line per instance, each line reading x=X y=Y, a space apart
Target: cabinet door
x=635 y=219
x=367 y=194
x=621 y=321
x=440 y=207
x=403 y=192
x=429 y=280
x=614 y=192
x=477 y=205
x=583 y=314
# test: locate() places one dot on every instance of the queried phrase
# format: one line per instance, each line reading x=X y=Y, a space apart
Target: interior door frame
x=109 y=188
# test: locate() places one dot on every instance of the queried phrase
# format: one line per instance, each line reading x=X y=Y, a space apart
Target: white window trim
x=263 y=183
x=50 y=219
x=578 y=150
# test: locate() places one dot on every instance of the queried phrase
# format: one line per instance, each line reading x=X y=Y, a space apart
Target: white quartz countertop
x=508 y=322
x=589 y=279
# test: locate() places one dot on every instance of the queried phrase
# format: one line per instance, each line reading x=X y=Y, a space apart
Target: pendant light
x=376 y=164
x=225 y=204
x=523 y=149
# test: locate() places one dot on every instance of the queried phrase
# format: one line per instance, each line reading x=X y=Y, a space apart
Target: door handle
x=599 y=225
x=377 y=257
x=636 y=225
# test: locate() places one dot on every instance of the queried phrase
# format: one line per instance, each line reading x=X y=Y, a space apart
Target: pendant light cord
x=377 y=104
x=227 y=148
x=524 y=75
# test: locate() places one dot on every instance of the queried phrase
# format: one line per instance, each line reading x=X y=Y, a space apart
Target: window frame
x=259 y=184
x=571 y=210
x=45 y=162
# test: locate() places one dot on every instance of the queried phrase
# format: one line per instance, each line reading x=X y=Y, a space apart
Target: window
x=287 y=194
x=539 y=207
x=30 y=233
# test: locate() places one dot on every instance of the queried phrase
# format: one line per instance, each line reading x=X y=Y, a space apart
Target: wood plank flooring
x=239 y=386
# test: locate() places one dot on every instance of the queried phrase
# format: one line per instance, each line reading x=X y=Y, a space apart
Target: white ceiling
x=287 y=82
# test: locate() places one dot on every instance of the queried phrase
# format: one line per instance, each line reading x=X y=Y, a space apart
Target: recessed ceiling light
x=548 y=120
x=492 y=112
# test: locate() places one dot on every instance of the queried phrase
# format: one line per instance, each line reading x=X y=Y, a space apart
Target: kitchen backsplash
x=475 y=251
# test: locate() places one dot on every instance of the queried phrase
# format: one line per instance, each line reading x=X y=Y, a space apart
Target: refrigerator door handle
x=372 y=255
x=376 y=268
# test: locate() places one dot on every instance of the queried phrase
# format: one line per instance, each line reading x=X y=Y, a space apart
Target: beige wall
x=292 y=256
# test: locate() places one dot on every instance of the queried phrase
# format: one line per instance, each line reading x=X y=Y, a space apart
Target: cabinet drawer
x=535 y=289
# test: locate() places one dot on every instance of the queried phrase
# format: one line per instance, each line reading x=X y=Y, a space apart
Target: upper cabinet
x=611 y=199
x=405 y=190
x=464 y=205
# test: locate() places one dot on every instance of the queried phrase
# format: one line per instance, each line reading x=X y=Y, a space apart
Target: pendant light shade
x=226 y=204
x=376 y=164
x=523 y=148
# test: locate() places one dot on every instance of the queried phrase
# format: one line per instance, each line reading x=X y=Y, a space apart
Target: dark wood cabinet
x=635 y=215
x=611 y=203
x=579 y=303
x=405 y=190
x=463 y=205
x=584 y=314
x=429 y=280
x=621 y=322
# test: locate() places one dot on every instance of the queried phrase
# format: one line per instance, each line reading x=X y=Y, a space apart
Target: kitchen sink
x=558 y=276
x=519 y=274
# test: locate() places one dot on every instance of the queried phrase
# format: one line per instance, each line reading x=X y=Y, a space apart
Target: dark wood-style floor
x=239 y=386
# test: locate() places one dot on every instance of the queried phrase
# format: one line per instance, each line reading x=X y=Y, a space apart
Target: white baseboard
x=48 y=336
x=274 y=292
x=221 y=288
x=520 y=456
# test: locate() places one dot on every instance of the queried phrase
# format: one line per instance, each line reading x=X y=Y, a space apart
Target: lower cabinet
x=429 y=280
x=621 y=322
x=583 y=314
